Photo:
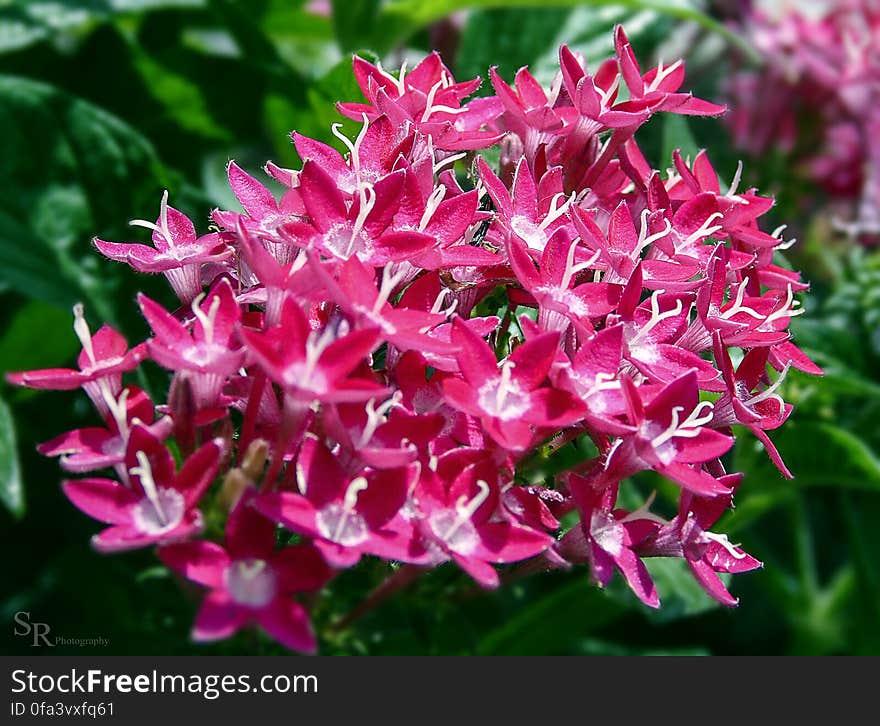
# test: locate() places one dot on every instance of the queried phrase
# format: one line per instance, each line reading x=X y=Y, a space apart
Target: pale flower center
x=251 y=582
x=341 y=523
x=502 y=397
x=159 y=513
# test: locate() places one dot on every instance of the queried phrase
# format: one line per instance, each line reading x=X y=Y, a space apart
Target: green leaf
x=680 y=594
x=11 y=490
x=545 y=625
x=353 y=21
x=495 y=38
x=26 y=22
x=71 y=171
x=399 y=19
x=677 y=135
x=819 y=454
x=24 y=344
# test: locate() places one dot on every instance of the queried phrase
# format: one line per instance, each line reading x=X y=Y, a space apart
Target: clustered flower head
x=817 y=95
x=373 y=364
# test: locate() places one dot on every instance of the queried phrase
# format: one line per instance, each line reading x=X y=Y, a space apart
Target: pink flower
x=177 y=252
x=96 y=447
x=347 y=516
x=314 y=365
x=249 y=581
x=400 y=360
x=104 y=358
x=671 y=437
x=455 y=515
x=706 y=553
x=157 y=504
x=508 y=397
x=608 y=539
x=428 y=98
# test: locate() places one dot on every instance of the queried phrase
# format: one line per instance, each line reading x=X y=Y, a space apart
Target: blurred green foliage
x=105 y=103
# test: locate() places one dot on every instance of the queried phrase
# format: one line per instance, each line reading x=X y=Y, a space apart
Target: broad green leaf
x=11 y=490
x=71 y=171
x=677 y=135
x=25 y=22
x=546 y=625
x=353 y=20
x=24 y=344
x=495 y=38
x=680 y=594
x=399 y=19
x=304 y=39
x=818 y=454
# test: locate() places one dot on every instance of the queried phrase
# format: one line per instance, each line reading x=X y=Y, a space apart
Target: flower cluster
x=378 y=362
x=817 y=96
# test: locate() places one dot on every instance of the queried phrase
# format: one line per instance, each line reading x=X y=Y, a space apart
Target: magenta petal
x=637 y=577
x=200 y=561
x=484 y=574
x=253 y=196
x=292 y=510
x=53 y=379
x=287 y=622
x=102 y=499
x=504 y=542
x=337 y=555
x=218 y=618
x=301 y=568
x=198 y=472
x=711 y=583
x=167 y=329
x=694 y=480
x=249 y=534
x=121 y=538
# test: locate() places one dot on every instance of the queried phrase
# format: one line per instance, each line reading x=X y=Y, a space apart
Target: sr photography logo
x=40 y=634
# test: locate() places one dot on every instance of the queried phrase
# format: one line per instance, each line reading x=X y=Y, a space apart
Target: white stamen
x=162 y=228
x=390 y=281
x=430 y=108
x=603 y=382
x=612 y=89
x=656 y=316
x=207 y=320
x=449 y=160
x=734 y=184
x=145 y=472
x=117 y=407
x=706 y=229
x=726 y=544
x=572 y=269
x=397 y=81
x=434 y=201
x=356 y=486
x=376 y=417
x=644 y=238
x=81 y=328
x=465 y=509
x=368 y=201
x=353 y=148
x=687 y=429
x=738 y=306
x=788 y=309
x=770 y=391
x=555 y=212
x=662 y=73
x=644 y=512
